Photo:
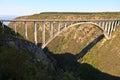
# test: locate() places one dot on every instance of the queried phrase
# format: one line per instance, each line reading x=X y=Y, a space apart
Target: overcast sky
x=29 y=7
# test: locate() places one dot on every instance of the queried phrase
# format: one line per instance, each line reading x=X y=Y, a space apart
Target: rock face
x=9 y=38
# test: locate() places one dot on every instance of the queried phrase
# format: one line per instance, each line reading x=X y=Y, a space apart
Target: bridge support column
x=111 y=30
x=35 y=33
x=115 y=24
x=26 y=36
x=58 y=27
x=108 y=31
x=43 y=34
x=51 y=29
x=65 y=25
x=102 y=25
x=106 y=24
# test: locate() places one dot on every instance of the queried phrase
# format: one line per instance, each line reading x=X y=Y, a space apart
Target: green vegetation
x=102 y=57
x=15 y=64
x=19 y=64
x=105 y=55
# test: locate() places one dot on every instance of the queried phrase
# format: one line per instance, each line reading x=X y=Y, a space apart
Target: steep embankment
x=21 y=59
x=105 y=55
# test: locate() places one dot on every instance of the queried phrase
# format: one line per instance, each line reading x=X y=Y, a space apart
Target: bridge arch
x=106 y=26
x=72 y=25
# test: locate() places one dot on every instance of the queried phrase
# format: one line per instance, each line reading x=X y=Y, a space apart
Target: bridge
x=107 y=27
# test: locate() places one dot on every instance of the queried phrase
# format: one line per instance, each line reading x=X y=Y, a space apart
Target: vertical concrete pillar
x=51 y=29
x=99 y=23
x=109 y=25
x=25 y=29
x=103 y=25
x=35 y=33
x=115 y=24
x=43 y=34
x=111 y=30
x=106 y=24
x=65 y=24
x=58 y=27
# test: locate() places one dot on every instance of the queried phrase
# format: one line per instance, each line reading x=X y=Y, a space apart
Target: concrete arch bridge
x=107 y=26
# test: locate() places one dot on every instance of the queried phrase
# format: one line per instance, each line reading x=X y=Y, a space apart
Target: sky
x=29 y=7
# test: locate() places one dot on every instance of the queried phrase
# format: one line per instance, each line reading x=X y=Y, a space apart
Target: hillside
x=21 y=59
x=81 y=51
x=105 y=55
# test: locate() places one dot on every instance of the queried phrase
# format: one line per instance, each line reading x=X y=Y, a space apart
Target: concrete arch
x=93 y=23
x=69 y=26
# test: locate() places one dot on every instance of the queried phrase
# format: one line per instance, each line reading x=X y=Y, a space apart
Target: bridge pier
x=109 y=25
x=43 y=34
x=102 y=25
x=116 y=22
x=65 y=25
x=25 y=29
x=111 y=30
x=106 y=24
x=58 y=27
x=35 y=33
x=51 y=29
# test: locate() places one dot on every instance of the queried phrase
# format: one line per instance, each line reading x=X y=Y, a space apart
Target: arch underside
x=72 y=25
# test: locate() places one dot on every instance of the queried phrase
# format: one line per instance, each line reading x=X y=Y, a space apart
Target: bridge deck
x=34 y=20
